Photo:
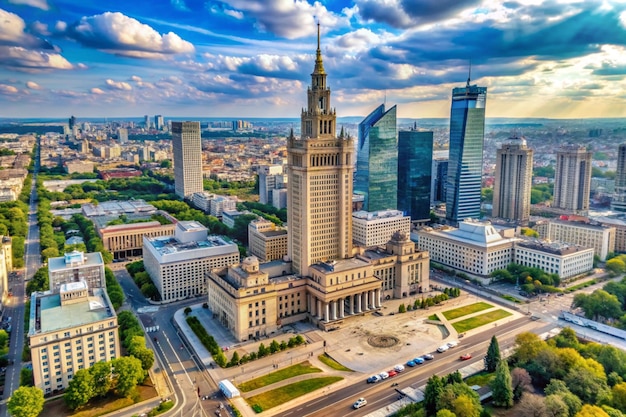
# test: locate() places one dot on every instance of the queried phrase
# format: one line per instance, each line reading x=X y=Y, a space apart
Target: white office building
x=177 y=264
x=564 y=259
x=376 y=228
x=599 y=237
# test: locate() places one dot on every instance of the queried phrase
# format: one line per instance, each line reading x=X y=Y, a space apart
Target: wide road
x=382 y=394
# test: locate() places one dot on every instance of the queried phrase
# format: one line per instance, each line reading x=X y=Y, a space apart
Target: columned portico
x=319 y=309
x=358 y=303
x=326 y=314
x=334 y=309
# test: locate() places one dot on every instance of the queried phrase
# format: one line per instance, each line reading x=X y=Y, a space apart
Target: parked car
x=465 y=357
x=383 y=375
x=428 y=356
x=411 y=363
x=443 y=348
x=398 y=368
x=453 y=343
x=392 y=373
x=359 y=403
x=373 y=379
x=418 y=361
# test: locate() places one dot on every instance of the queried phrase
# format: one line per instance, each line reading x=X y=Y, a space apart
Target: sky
x=253 y=58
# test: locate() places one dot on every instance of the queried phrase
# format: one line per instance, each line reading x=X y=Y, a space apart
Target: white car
x=359 y=403
x=398 y=368
x=453 y=343
x=383 y=375
x=443 y=348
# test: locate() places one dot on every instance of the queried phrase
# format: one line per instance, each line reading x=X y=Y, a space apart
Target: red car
x=392 y=373
x=465 y=357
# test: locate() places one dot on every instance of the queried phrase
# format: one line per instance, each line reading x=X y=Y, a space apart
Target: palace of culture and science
x=326 y=279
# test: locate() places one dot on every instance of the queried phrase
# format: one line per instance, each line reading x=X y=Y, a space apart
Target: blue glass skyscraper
x=415 y=154
x=376 y=175
x=467 y=133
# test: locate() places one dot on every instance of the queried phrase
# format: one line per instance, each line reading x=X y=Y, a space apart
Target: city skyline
x=251 y=58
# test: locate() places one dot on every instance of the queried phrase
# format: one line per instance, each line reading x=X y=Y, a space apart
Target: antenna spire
x=469 y=74
x=319 y=65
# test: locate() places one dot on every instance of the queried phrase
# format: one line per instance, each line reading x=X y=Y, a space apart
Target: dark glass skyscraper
x=415 y=154
x=467 y=132
x=376 y=175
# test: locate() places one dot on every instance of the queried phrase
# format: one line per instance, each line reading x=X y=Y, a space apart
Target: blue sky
x=253 y=58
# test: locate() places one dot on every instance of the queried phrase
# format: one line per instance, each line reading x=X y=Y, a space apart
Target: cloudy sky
x=253 y=58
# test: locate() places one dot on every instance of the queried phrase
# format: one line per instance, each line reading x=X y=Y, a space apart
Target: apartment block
x=267 y=241
x=376 y=228
x=597 y=236
x=77 y=266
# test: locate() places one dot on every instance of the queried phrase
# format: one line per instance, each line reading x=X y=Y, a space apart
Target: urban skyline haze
x=251 y=58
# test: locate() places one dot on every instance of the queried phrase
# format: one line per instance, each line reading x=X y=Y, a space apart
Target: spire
x=319 y=65
x=341 y=135
x=469 y=74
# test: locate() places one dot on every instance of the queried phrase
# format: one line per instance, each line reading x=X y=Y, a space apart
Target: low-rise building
x=126 y=240
x=564 y=259
x=475 y=247
x=77 y=266
x=376 y=228
x=70 y=330
x=220 y=204
x=229 y=217
x=267 y=241
x=582 y=233
x=178 y=264
x=619 y=223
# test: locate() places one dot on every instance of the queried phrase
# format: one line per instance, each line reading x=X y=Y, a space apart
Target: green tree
x=555 y=406
x=146 y=356
x=618 y=396
x=187 y=311
x=465 y=406
x=502 y=386
x=493 y=355
x=402 y=308
x=26 y=402
x=591 y=411
x=432 y=392
x=127 y=373
x=588 y=382
x=452 y=392
x=235 y=359
x=80 y=389
x=263 y=351
x=445 y=413
x=26 y=377
x=615 y=265
x=598 y=304
x=101 y=374
x=274 y=346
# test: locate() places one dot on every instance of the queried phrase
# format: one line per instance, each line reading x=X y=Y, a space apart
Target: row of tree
x=607 y=305
x=430 y=301
x=532 y=280
x=143 y=281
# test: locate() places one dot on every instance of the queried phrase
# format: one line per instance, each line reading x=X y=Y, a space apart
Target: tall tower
x=618 y=202
x=467 y=133
x=376 y=176
x=320 y=172
x=511 y=190
x=187 y=146
x=572 y=179
x=158 y=122
x=415 y=154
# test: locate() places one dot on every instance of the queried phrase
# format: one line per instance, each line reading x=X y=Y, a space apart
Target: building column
x=319 y=308
x=326 y=313
x=380 y=298
x=312 y=304
x=358 y=303
x=373 y=298
x=342 y=307
x=334 y=309
x=351 y=304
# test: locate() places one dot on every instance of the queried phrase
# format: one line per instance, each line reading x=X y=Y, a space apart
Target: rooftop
x=117 y=208
x=375 y=215
x=89 y=259
x=339 y=265
x=52 y=316
x=168 y=244
x=556 y=248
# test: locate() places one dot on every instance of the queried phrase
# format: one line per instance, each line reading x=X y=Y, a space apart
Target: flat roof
x=168 y=244
x=91 y=259
x=340 y=265
x=53 y=316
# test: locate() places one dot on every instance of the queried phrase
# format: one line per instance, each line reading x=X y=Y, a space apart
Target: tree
x=532 y=406
x=432 y=392
x=26 y=402
x=452 y=392
x=263 y=351
x=618 y=396
x=80 y=389
x=493 y=355
x=591 y=411
x=146 y=356
x=587 y=382
x=502 y=387
x=465 y=406
x=274 y=346
x=445 y=413
x=187 y=311
x=598 y=304
x=527 y=347
x=101 y=374
x=555 y=406
x=521 y=382
x=615 y=265
x=127 y=373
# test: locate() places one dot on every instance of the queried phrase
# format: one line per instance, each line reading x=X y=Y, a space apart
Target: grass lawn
x=481 y=378
x=433 y=317
x=272 y=378
x=465 y=310
x=281 y=395
x=481 y=320
x=328 y=361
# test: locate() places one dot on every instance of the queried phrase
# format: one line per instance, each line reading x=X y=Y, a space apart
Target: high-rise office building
x=513 y=180
x=467 y=132
x=572 y=179
x=618 y=203
x=376 y=177
x=158 y=122
x=72 y=122
x=271 y=178
x=320 y=172
x=187 y=146
x=415 y=153
x=122 y=134
x=146 y=122
x=439 y=176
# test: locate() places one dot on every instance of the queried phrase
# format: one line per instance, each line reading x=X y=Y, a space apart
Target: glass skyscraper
x=467 y=133
x=415 y=154
x=376 y=175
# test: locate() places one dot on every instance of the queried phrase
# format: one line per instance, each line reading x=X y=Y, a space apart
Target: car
x=359 y=403
x=398 y=368
x=443 y=348
x=453 y=343
x=418 y=361
x=392 y=373
x=373 y=379
x=383 y=375
x=465 y=357
x=411 y=363
x=428 y=356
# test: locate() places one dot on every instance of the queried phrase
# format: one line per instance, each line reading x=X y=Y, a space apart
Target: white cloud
x=39 y=28
x=8 y=89
x=60 y=26
x=33 y=85
x=179 y=5
x=135 y=78
x=122 y=35
x=234 y=13
x=26 y=60
x=12 y=31
x=97 y=90
x=39 y=4
x=118 y=85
